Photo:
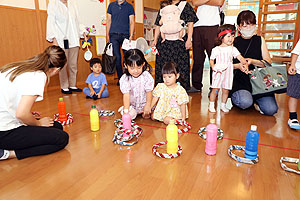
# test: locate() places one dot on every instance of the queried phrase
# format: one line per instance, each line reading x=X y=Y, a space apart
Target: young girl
x=170 y=97
x=22 y=84
x=293 y=87
x=136 y=85
x=223 y=69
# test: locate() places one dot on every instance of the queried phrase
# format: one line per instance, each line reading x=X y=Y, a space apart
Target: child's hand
x=292 y=70
x=92 y=93
x=99 y=96
x=147 y=111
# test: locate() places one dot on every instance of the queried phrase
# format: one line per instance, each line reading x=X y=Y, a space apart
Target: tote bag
x=268 y=80
x=108 y=61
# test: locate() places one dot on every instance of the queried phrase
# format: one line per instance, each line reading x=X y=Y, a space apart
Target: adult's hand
x=188 y=44
x=46 y=121
x=154 y=43
x=292 y=70
x=55 y=42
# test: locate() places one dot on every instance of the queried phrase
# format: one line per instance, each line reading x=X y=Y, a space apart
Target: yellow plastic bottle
x=172 y=138
x=94 y=119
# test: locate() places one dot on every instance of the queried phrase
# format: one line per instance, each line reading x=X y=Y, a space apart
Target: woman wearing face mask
x=253 y=48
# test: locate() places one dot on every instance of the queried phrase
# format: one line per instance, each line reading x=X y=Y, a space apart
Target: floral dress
x=170 y=100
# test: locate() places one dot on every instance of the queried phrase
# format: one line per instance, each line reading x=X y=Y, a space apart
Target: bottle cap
x=171 y=121
x=253 y=127
x=93 y=106
x=61 y=99
x=212 y=121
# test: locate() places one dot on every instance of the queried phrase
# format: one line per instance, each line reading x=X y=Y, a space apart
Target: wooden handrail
x=281 y=2
x=279 y=12
x=279 y=22
x=288 y=50
x=278 y=31
x=279 y=40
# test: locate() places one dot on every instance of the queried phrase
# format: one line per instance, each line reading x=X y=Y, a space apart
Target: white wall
x=42 y=4
x=139 y=15
x=18 y=3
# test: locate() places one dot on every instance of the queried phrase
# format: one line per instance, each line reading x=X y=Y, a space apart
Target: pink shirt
x=137 y=89
x=223 y=56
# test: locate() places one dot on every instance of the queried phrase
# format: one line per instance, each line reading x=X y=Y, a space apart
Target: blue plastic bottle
x=252 y=143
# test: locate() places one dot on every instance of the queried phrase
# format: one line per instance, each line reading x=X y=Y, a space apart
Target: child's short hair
x=247 y=17
x=135 y=56
x=170 y=68
x=164 y=3
x=225 y=27
x=95 y=61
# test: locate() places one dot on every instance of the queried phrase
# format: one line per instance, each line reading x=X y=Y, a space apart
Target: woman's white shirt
x=29 y=83
x=63 y=23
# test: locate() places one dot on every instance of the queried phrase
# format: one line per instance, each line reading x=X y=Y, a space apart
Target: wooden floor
x=92 y=167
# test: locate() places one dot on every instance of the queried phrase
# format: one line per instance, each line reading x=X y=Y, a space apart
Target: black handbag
x=108 y=62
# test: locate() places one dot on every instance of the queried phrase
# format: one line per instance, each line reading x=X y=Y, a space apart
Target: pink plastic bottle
x=126 y=118
x=211 y=138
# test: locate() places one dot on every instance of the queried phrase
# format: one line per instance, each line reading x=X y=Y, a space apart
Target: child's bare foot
x=146 y=116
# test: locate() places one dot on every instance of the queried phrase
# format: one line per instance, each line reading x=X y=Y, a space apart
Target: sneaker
x=95 y=97
x=211 y=108
x=66 y=91
x=74 y=89
x=193 y=90
x=4 y=154
x=294 y=124
x=258 y=109
x=224 y=109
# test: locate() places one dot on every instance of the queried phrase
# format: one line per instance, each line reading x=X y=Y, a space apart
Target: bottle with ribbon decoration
x=252 y=143
x=172 y=137
x=211 y=138
x=126 y=119
x=62 y=114
x=94 y=118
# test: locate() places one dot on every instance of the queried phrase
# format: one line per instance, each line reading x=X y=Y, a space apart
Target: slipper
x=4 y=154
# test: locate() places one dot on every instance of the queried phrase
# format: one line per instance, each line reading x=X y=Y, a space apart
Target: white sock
x=73 y=88
x=5 y=155
x=223 y=107
x=211 y=107
x=65 y=89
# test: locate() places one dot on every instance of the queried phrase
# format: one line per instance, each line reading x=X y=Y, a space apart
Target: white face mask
x=247 y=33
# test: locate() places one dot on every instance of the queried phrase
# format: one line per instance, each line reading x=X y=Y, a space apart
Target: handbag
x=268 y=80
x=108 y=61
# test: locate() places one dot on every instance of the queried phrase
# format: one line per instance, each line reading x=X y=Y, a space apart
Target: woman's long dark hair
x=53 y=56
x=135 y=57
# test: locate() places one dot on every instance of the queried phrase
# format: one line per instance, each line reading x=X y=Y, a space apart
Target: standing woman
x=21 y=84
x=175 y=50
x=64 y=30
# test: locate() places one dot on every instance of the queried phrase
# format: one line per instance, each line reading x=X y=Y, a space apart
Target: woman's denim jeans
x=243 y=99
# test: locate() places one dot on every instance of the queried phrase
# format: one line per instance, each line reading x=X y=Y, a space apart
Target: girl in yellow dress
x=169 y=97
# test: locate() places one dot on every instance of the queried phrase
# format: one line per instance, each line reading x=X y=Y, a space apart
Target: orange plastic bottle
x=62 y=114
